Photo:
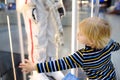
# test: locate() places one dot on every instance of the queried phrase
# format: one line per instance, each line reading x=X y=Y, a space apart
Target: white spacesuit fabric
x=43 y=27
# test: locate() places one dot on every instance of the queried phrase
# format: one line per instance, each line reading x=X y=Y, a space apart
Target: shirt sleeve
x=116 y=46
x=69 y=62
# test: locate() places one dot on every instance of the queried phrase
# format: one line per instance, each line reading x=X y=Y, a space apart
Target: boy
x=94 y=59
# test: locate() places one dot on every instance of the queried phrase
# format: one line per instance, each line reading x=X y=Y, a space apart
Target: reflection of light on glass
x=83 y=2
x=19 y=4
x=79 y=2
x=11 y=47
x=74 y=25
x=87 y=79
x=92 y=7
x=11 y=5
x=5 y=1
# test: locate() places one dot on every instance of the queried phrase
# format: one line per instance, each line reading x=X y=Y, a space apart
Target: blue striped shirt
x=95 y=62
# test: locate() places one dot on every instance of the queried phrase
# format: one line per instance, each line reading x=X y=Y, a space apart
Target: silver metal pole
x=97 y=5
x=21 y=41
x=74 y=28
x=11 y=46
x=92 y=8
x=20 y=37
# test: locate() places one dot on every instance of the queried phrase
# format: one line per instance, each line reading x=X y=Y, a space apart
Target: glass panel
x=104 y=9
x=84 y=11
x=8 y=47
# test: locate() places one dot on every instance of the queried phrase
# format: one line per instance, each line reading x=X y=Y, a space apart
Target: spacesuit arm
x=55 y=4
x=60 y=7
x=52 y=6
x=29 y=10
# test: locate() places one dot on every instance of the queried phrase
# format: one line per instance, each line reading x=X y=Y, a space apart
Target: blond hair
x=96 y=30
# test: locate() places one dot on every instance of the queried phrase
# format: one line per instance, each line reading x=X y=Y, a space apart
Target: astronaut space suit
x=44 y=31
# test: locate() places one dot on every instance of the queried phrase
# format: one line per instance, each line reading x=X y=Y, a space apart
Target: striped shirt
x=95 y=62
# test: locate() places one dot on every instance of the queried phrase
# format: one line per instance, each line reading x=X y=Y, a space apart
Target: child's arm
x=73 y=61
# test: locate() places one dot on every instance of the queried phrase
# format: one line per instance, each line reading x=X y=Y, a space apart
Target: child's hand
x=28 y=66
